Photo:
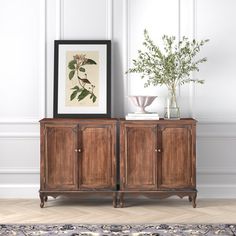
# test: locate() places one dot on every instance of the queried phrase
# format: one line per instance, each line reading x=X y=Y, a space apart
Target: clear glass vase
x=172 y=110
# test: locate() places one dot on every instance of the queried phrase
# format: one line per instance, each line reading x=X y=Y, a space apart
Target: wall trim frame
x=19 y=171
x=19 y=135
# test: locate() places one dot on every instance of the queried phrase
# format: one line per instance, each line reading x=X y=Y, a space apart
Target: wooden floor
x=101 y=211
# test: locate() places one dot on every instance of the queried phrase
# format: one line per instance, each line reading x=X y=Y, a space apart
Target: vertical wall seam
x=109 y=36
x=61 y=27
x=42 y=60
x=109 y=19
x=179 y=20
x=193 y=74
x=58 y=19
x=45 y=62
x=125 y=53
x=179 y=32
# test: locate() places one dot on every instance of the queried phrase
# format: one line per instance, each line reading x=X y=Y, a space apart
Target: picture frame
x=82 y=79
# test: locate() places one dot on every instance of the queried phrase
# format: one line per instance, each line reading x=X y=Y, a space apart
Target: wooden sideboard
x=155 y=158
x=77 y=156
x=158 y=158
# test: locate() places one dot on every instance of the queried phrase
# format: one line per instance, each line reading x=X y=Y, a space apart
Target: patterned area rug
x=118 y=230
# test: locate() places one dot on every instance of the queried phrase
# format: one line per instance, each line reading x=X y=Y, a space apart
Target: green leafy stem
x=84 y=87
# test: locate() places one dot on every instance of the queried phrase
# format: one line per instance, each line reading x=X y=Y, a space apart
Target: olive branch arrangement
x=77 y=69
x=170 y=67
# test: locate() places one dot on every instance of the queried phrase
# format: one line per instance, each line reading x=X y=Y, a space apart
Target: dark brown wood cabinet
x=77 y=156
x=158 y=158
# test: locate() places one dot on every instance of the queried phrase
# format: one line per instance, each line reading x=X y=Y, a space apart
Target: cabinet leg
x=194 y=200
x=114 y=200
x=122 y=203
x=42 y=199
x=190 y=198
x=46 y=198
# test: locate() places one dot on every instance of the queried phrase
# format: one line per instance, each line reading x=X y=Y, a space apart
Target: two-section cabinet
x=77 y=156
x=155 y=158
x=158 y=158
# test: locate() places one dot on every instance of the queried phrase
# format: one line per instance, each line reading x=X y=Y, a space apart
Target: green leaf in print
x=74 y=94
x=82 y=69
x=72 y=64
x=75 y=88
x=86 y=81
x=71 y=74
x=89 y=62
x=94 y=98
x=83 y=94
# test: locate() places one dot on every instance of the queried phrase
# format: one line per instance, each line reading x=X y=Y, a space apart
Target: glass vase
x=172 y=110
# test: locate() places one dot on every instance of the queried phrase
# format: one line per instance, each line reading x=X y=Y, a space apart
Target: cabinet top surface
x=161 y=121
x=122 y=120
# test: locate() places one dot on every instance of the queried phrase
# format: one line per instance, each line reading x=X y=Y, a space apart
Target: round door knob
x=159 y=150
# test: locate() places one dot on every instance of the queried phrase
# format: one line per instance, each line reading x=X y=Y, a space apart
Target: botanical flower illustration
x=77 y=68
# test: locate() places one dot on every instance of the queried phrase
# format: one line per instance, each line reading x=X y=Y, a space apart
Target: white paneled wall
x=22 y=103
x=28 y=29
x=215 y=19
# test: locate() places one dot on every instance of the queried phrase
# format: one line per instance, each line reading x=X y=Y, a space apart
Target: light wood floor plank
x=101 y=211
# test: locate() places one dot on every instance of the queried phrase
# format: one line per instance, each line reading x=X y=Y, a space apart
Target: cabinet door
x=59 y=157
x=178 y=157
x=96 y=156
x=138 y=163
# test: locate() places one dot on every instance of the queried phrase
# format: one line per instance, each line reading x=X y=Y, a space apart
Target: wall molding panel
x=61 y=20
x=42 y=61
x=225 y=191
x=216 y=171
x=19 y=190
x=18 y=121
x=19 y=171
x=19 y=135
x=109 y=19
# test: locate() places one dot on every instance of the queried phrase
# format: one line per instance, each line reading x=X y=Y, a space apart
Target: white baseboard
x=217 y=191
x=19 y=191
x=31 y=191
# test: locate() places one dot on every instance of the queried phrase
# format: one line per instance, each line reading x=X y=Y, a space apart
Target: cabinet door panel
x=60 y=158
x=138 y=158
x=97 y=157
x=176 y=161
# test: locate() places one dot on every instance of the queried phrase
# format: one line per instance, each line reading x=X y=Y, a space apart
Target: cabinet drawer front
x=97 y=158
x=59 y=157
x=138 y=157
x=177 y=162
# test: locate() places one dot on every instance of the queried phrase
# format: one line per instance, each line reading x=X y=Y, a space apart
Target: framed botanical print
x=82 y=78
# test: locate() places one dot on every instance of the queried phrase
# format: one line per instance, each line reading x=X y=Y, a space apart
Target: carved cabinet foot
x=193 y=200
x=43 y=199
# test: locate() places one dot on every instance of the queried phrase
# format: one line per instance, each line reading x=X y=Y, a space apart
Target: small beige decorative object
x=141 y=102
